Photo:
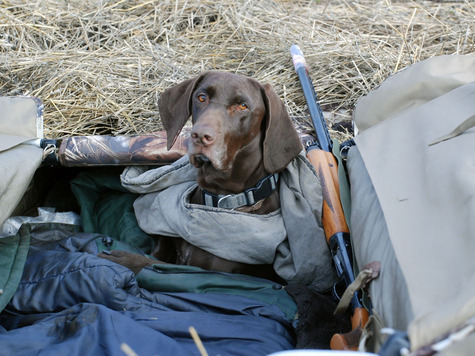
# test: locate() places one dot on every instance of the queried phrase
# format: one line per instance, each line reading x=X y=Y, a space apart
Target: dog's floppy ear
x=281 y=142
x=175 y=107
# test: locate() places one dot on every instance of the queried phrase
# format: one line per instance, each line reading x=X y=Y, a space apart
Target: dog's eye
x=201 y=98
x=242 y=106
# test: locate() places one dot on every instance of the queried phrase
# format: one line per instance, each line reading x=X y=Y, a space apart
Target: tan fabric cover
x=371 y=243
x=17 y=165
x=412 y=87
x=20 y=120
x=427 y=193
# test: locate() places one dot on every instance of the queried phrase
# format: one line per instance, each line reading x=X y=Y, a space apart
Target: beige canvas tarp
x=20 y=121
x=426 y=192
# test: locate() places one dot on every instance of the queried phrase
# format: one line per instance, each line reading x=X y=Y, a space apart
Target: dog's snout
x=203 y=135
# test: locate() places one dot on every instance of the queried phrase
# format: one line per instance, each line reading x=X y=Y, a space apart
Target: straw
x=100 y=66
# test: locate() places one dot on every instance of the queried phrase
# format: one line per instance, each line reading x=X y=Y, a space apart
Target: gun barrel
x=319 y=124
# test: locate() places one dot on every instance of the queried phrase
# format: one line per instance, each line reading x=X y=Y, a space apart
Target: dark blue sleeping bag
x=71 y=302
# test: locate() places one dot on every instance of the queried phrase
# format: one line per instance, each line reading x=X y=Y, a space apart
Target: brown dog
x=241 y=137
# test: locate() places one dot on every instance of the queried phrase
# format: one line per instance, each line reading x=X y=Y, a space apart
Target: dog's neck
x=251 y=170
x=262 y=190
x=247 y=170
x=260 y=199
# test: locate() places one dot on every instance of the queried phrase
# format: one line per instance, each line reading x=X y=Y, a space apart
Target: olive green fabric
x=13 y=252
x=109 y=244
x=107 y=208
x=189 y=279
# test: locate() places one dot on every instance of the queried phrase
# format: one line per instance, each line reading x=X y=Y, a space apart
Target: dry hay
x=99 y=66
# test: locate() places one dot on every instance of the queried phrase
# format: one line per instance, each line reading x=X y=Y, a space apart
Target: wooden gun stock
x=326 y=167
x=334 y=224
x=351 y=340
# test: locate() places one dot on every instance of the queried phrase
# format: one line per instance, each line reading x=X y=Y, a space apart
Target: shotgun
x=337 y=233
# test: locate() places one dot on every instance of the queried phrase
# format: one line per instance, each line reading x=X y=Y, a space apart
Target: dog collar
x=263 y=189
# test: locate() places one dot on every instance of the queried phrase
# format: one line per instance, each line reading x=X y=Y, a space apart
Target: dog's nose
x=202 y=135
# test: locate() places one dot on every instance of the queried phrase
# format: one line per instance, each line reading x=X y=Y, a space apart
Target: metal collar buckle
x=249 y=197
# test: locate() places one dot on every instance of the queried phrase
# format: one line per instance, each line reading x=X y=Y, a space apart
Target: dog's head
x=232 y=116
